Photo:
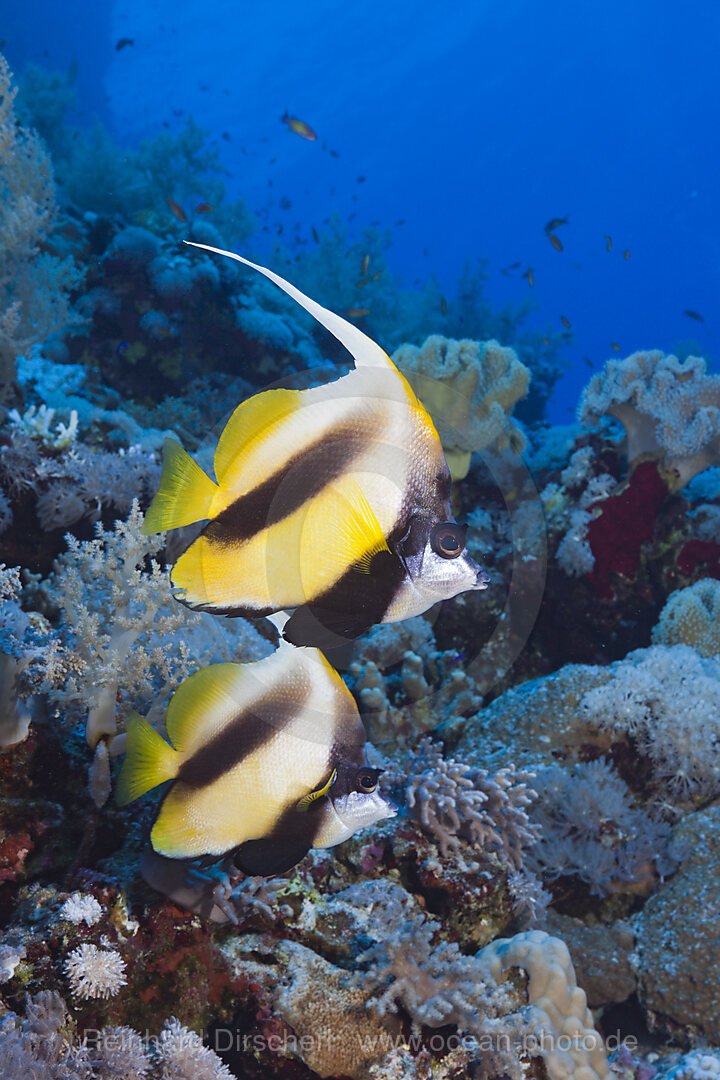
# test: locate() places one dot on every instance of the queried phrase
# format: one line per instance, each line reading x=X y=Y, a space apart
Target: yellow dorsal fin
x=307 y=800
x=184 y=495
x=362 y=348
x=149 y=761
x=252 y=419
x=203 y=701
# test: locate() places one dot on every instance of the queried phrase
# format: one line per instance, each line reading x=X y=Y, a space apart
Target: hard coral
x=469 y=388
x=558 y=1010
x=460 y=804
x=670 y=410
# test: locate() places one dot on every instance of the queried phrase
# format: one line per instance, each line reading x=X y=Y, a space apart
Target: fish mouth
x=482 y=580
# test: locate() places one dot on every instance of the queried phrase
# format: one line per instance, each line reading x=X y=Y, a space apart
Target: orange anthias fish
x=626 y=254
x=564 y=321
x=357 y=312
x=554 y=241
x=203 y=208
x=299 y=127
x=177 y=210
x=615 y=346
x=365 y=264
x=555 y=223
x=608 y=243
x=529 y=275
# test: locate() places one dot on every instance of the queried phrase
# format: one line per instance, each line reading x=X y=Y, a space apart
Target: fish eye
x=366 y=780
x=448 y=539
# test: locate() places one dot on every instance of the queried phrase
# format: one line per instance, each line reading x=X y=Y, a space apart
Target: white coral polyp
x=95 y=973
x=79 y=908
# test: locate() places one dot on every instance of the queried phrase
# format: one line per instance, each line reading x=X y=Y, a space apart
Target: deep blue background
x=475 y=127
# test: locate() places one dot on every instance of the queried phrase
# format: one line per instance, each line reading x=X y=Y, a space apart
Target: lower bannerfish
x=267 y=761
x=332 y=501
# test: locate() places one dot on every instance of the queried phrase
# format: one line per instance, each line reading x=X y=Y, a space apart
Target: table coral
x=670 y=410
x=469 y=388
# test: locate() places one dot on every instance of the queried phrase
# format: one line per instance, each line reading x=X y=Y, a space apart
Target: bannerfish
x=333 y=501
x=267 y=761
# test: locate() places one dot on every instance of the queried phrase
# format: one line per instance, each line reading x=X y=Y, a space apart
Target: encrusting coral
x=669 y=408
x=469 y=388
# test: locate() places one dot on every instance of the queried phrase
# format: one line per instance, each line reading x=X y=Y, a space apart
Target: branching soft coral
x=665 y=698
x=590 y=829
x=132 y=642
x=33 y=283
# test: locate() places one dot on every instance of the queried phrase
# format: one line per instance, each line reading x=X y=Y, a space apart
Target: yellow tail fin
x=185 y=493
x=149 y=761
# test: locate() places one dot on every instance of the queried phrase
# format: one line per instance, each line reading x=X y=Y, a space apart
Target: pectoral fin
x=307 y=800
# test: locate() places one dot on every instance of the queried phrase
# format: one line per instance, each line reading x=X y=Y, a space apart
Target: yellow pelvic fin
x=149 y=761
x=362 y=348
x=307 y=800
x=185 y=493
x=251 y=420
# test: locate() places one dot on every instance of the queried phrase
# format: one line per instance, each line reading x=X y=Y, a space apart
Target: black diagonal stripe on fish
x=245 y=733
x=336 y=542
x=292 y=485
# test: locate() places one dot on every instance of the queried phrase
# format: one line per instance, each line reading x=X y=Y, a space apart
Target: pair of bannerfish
x=332 y=503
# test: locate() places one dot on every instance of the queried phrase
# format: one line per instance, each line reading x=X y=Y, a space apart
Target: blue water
x=475 y=124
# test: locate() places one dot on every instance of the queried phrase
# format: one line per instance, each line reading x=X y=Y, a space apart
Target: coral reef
x=553 y=743
x=558 y=1007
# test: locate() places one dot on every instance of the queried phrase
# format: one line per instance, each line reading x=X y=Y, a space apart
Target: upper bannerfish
x=333 y=502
